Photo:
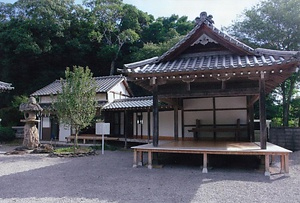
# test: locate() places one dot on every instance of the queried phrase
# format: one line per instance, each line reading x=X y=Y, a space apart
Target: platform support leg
x=134 y=158
x=282 y=164
x=149 y=160
x=140 y=161
x=286 y=163
x=267 y=165
x=204 y=170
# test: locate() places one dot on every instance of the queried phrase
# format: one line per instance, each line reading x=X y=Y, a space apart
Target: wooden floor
x=211 y=147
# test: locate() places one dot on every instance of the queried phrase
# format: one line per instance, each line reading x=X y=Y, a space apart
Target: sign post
x=102 y=129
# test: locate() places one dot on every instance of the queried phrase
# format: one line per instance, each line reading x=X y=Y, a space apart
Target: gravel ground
x=111 y=178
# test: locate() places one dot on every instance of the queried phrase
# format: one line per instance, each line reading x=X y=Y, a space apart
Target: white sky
x=223 y=11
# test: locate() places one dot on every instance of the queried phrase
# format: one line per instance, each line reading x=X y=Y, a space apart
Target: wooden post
x=214 y=118
x=126 y=123
x=182 y=122
x=140 y=161
x=176 y=122
x=286 y=163
x=282 y=163
x=251 y=120
x=134 y=158
x=149 y=126
x=262 y=112
x=155 y=116
x=204 y=170
x=267 y=165
x=149 y=160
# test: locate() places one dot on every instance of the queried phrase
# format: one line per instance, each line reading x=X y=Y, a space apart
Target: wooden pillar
x=155 y=116
x=214 y=118
x=182 y=122
x=176 y=122
x=262 y=112
x=149 y=125
x=250 y=116
x=126 y=123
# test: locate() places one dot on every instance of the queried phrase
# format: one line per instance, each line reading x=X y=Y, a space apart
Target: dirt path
x=111 y=178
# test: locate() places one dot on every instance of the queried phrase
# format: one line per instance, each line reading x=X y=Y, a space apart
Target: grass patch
x=70 y=150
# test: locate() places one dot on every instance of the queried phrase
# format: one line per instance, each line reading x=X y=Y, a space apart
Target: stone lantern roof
x=31 y=105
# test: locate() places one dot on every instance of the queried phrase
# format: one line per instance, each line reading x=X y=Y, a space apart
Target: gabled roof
x=104 y=84
x=207 y=48
x=5 y=86
x=207 y=57
x=203 y=33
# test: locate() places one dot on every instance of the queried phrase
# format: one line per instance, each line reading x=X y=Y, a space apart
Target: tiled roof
x=183 y=57
x=219 y=33
x=130 y=103
x=213 y=61
x=134 y=103
x=5 y=86
x=104 y=84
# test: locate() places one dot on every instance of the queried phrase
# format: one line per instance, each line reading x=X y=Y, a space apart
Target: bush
x=7 y=134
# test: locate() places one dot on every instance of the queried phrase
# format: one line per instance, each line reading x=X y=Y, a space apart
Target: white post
x=102 y=129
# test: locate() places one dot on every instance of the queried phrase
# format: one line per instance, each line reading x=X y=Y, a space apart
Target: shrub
x=7 y=134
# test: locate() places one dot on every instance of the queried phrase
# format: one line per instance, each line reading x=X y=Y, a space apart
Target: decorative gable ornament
x=204 y=39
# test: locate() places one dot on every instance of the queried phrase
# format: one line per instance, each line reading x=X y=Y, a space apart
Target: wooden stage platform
x=211 y=147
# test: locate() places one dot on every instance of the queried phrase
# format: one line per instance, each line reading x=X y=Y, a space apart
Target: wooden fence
x=288 y=138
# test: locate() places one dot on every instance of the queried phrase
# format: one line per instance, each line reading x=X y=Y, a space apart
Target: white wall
x=45 y=99
x=166 y=124
x=117 y=92
x=228 y=110
x=64 y=132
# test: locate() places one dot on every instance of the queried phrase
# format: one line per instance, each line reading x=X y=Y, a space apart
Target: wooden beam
x=262 y=112
x=155 y=116
x=208 y=93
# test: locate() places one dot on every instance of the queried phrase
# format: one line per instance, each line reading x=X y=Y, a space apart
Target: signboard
x=102 y=128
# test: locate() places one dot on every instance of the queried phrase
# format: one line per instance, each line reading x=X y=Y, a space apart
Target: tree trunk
x=112 y=67
x=76 y=140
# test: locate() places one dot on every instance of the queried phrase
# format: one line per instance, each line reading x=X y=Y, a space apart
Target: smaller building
x=5 y=86
x=109 y=88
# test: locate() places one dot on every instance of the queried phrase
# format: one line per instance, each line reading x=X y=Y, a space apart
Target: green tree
x=112 y=18
x=151 y=50
x=75 y=105
x=164 y=29
x=273 y=24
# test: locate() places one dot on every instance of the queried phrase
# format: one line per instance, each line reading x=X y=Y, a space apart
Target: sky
x=223 y=11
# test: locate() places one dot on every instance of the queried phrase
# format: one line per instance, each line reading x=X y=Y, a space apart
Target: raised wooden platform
x=211 y=147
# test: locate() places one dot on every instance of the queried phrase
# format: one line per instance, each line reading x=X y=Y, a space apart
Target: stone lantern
x=31 y=133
